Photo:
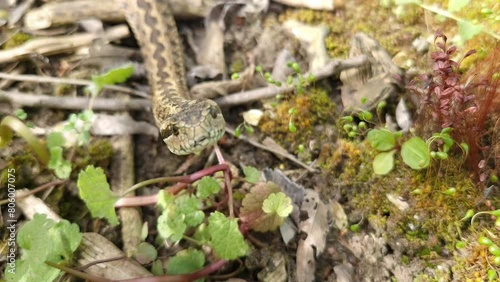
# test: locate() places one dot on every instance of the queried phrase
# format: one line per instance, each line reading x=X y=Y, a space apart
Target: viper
x=186 y=125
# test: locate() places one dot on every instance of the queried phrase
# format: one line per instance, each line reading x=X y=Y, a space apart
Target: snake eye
x=214 y=112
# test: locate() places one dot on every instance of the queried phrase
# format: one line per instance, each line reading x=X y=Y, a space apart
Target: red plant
x=445 y=98
x=479 y=127
x=463 y=102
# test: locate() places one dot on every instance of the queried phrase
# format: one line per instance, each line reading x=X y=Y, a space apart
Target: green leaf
x=468 y=30
x=492 y=275
x=185 y=261
x=456 y=5
x=485 y=241
x=383 y=162
x=114 y=76
x=146 y=253
x=252 y=175
x=42 y=239
x=95 y=192
x=157 y=267
x=190 y=207
x=460 y=245
x=495 y=213
x=468 y=214
x=381 y=139
x=494 y=250
x=365 y=115
x=165 y=200
x=355 y=228
x=61 y=167
x=226 y=239
x=201 y=234
x=415 y=153
x=171 y=225
x=450 y=191
x=278 y=203
x=207 y=186
x=55 y=139
x=80 y=124
x=21 y=114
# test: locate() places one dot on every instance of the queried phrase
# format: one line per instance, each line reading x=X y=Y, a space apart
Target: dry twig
x=56 y=45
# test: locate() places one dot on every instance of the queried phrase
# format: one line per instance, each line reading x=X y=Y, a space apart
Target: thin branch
x=334 y=67
x=73 y=81
x=115 y=104
x=74 y=103
x=56 y=45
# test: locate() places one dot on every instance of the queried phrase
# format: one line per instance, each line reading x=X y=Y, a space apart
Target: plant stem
x=11 y=124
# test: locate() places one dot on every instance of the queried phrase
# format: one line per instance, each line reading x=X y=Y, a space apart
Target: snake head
x=195 y=125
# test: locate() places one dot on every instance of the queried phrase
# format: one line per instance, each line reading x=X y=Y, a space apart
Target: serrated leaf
x=468 y=30
x=383 y=162
x=95 y=192
x=225 y=237
x=381 y=139
x=171 y=225
x=457 y=5
x=278 y=204
x=415 y=153
x=189 y=206
x=251 y=211
x=185 y=261
x=252 y=175
x=207 y=186
x=42 y=239
x=165 y=200
x=114 y=76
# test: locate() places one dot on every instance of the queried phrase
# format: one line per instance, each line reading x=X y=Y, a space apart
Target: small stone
x=253 y=116
x=421 y=45
x=403 y=60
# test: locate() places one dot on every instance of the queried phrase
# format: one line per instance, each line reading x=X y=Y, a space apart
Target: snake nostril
x=174 y=130
x=170 y=130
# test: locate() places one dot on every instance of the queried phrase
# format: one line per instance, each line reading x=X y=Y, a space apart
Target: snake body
x=185 y=125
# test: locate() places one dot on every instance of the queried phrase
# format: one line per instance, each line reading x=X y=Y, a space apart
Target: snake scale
x=186 y=126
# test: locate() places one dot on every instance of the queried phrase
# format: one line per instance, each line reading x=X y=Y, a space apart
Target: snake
x=186 y=125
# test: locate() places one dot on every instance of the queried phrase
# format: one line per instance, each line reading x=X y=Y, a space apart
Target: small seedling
x=248 y=129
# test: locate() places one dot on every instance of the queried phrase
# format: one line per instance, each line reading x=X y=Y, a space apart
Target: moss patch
x=311 y=108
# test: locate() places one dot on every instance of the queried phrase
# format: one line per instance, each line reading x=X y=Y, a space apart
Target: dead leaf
x=339 y=216
x=315 y=226
x=251 y=208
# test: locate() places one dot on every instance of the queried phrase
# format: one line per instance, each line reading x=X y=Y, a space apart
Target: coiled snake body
x=186 y=125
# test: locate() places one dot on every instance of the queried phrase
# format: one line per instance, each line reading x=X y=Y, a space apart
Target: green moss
x=311 y=108
x=98 y=153
x=16 y=40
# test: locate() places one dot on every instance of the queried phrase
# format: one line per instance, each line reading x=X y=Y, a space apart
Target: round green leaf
x=415 y=153
x=383 y=162
x=381 y=139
